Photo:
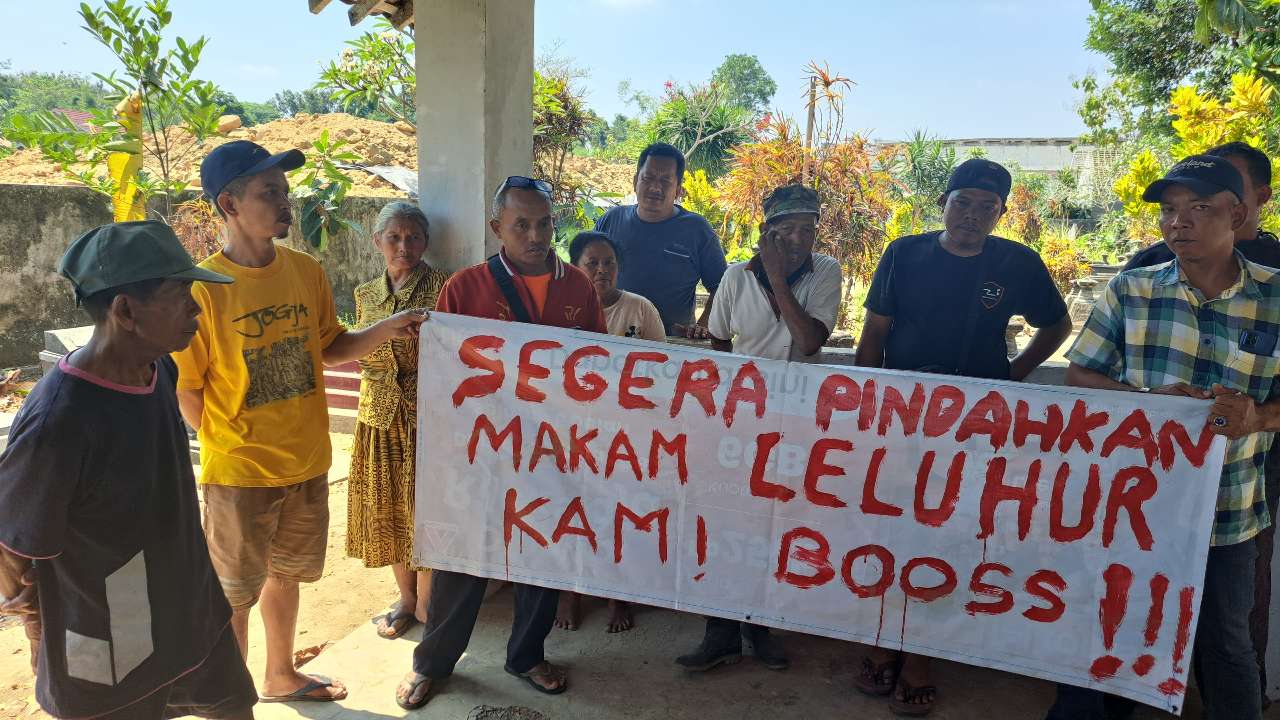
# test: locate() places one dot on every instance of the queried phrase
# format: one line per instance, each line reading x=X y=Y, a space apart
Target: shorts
x=220 y=687
x=259 y=532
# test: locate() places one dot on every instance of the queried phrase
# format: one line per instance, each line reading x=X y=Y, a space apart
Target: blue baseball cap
x=239 y=158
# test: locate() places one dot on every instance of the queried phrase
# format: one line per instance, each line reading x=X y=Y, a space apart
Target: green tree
x=703 y=123
x=922 y=169
x=1157 y=45
x=256 y=113
x=376 y=69
x=32 y=92
x=163 y=111
x=315 y=101
x=746 y=82
x=251 y=113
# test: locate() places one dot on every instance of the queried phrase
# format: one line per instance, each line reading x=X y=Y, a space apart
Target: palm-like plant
x=1232 y=18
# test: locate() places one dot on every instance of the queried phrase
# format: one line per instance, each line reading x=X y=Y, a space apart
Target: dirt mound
x=600 y=175
x=377 y=143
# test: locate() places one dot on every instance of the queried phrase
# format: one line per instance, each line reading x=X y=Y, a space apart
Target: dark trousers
x=1224 y=661
x=722 y=633
x=1259 y=625
x=451 y=616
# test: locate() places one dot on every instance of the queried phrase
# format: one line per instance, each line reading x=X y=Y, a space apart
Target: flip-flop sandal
x=545 y=674
x=302 y=694
x=391 y=618
x=909 y=693
x=413 y=688
x=878 y=680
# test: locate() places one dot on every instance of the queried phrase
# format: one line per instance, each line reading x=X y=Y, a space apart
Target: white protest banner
x=1049 y=531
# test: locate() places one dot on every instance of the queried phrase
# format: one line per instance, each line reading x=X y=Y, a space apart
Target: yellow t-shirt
x=257 y=357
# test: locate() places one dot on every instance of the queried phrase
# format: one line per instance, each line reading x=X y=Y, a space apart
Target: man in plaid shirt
x=1203 y=325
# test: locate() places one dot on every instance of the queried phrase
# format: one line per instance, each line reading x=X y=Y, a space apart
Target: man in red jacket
x=524 y=282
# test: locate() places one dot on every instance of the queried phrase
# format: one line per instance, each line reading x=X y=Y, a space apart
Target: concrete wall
x=38 y=222
x=1030 y=154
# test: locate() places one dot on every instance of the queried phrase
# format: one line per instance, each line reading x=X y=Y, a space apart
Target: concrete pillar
x=475 y=117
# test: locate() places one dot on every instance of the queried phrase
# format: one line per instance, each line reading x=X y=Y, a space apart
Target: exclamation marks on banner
x=702 y=547
x=1186 y=598
x=1111 y=609
x=1111 y=612
x=1155 y=618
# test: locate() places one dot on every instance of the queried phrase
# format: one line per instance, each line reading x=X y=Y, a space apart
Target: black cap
x=981 y=174
x=118 y=254
x=239 y=158
x=1204 y=175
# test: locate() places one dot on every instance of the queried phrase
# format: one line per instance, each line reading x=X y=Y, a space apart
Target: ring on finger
x=1220 y=421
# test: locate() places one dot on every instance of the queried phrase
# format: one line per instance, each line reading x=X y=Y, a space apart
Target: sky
x=984 y=68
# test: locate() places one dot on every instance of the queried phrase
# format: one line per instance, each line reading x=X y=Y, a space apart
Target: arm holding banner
x=1095 y=358
x=1243 y=416
x=880 y=309
x=355 y=344
x=875 y=332
x=1043 y=344
x=1044 y=309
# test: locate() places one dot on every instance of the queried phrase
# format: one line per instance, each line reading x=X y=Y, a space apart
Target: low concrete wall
x=38 y=222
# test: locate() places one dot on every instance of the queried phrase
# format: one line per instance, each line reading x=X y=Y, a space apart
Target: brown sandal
x=879 y=679
x=906 y=707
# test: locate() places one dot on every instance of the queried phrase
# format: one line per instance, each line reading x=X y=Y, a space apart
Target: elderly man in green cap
x=786 y=280
x=100 y=539
x=779 y=305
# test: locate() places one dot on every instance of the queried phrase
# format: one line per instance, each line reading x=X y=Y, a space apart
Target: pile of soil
x=600 y=175
x=376 y=143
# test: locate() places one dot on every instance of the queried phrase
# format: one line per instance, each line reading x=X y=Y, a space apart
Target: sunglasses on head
x=522 y=182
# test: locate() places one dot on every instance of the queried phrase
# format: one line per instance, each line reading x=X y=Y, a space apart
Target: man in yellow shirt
x=252 y=383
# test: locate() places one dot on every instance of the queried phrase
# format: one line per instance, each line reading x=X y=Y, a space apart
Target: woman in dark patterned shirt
x=380 y=504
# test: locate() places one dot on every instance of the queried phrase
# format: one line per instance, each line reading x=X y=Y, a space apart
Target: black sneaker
x=708 y=656
x=767 y=648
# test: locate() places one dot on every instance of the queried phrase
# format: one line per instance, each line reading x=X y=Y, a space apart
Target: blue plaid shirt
x=1151 y=328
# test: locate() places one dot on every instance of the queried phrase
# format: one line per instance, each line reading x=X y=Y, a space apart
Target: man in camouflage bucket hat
x=786 y=281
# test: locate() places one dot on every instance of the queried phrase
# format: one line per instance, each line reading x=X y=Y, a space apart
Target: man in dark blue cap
x=100 y=539
x=252 y=384
x=940 y=302
x=1205 y=325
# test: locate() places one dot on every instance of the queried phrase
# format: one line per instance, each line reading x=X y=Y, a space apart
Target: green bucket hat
x=118 y=254
x=790 y=200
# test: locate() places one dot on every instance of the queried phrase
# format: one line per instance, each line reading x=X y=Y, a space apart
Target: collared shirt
x=744 y=312
x=389 y=374
x=571 y=298
x=1152 y=328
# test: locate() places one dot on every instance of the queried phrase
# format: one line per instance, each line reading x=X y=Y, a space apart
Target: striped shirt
x=1152 y=328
